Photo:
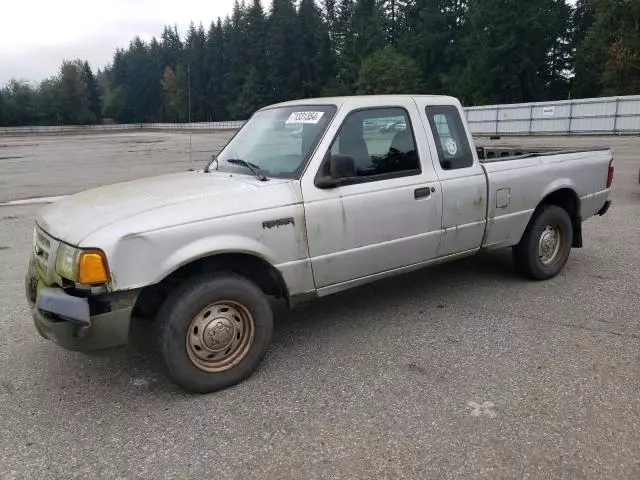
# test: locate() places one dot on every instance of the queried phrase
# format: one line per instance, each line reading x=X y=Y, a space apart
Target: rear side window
x=451 y=139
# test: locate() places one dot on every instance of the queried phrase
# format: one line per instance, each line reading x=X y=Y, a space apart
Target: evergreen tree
x=582 y=18
x=173 y=97
x=367 y=29
x=608 y=59
x=387 y=72
x=20 y=104
x=48 y=102
x=215 y=72
x=142 y=87
x=392 y=14
x=74 y=94
x=3 y=109
x=193 y=62
x=483 y=51
x=235 y=56
x=510 y=50
x=316 y=60
x=95 y=102
x=621 y=74
x=171 y=47
x=330 y=8
x=343 y=26
x=365 y=35
x=116 y=106
x=250 y=96
x=430 y=32
x=283 y=52
x=255 y=89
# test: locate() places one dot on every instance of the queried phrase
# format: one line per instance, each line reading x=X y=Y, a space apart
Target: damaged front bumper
x=81 y=323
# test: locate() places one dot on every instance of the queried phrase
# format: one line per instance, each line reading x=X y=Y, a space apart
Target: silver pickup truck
x=309 y=198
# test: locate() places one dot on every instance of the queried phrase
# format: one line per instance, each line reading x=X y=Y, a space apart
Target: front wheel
x=546 y=244
x=213 y=331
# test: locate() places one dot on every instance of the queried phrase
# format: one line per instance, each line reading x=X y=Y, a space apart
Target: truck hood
x=73 y=218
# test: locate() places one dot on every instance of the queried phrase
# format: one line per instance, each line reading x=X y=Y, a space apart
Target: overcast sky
x=36 y=35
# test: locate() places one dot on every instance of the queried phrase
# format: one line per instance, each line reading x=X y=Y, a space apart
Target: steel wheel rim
x=220 y=336
x=549 y=244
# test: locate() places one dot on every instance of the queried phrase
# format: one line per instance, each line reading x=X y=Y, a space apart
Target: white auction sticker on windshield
x=304 y=117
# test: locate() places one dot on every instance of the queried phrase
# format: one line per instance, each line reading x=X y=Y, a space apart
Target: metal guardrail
x=62 y=129
x=608 y=115
x=52 y=129
x=229 y=125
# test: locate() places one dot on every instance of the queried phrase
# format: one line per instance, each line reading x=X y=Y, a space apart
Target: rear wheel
x=545 y=246
x=213 y=331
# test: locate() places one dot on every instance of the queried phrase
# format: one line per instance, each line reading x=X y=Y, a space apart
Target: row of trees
x=483 y=51
x=72 y=97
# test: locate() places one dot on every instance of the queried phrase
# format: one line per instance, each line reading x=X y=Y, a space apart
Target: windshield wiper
x=254 y=168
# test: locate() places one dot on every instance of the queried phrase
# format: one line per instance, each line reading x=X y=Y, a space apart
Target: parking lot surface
x=458 y=371
x=50 y=165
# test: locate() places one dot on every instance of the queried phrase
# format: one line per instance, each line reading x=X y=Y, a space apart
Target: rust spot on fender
x=278 y=222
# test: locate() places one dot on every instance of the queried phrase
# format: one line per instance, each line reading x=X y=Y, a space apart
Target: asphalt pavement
x=458 y=371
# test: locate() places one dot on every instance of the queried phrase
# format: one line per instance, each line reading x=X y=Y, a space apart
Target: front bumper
x=77 y=323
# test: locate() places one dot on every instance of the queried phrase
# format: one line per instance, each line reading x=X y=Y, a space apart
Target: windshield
x=276 y=142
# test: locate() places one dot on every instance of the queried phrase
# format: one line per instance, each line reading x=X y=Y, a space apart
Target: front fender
x=141 y=260
x=214 y=245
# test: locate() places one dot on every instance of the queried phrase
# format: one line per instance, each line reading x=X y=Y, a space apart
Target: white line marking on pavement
x=32 y=201
x=484 y=408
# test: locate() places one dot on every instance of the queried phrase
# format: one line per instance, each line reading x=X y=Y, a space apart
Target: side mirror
x=327 y=182
x=340 y=167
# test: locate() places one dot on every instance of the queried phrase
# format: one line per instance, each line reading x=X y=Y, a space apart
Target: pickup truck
x=202 y=253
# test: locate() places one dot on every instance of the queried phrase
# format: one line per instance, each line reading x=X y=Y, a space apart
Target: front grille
x=45 y=252
x=43 y=249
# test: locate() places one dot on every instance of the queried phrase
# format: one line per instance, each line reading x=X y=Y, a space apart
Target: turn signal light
x=92 y=268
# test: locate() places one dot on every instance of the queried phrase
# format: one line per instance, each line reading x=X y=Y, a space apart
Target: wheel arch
x=567 y=199
x=248 y=265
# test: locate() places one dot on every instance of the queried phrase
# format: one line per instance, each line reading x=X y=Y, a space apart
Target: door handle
x=422 y=192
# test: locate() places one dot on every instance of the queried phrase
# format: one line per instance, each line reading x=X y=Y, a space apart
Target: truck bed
x=509 y=152
x=519 y=179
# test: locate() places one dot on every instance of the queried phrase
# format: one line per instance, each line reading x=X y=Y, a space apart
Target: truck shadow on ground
x=138 y=365
x=438 y=284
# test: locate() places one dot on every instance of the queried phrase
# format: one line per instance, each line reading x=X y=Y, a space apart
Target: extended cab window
x=375 y=142
x=451 y=138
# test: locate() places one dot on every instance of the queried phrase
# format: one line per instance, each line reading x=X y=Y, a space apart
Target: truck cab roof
x=369 y=100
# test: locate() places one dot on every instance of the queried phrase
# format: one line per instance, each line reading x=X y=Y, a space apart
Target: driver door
x=386 y=211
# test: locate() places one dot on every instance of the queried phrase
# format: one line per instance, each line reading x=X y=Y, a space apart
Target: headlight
x=82 y=266
x=67 y=262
